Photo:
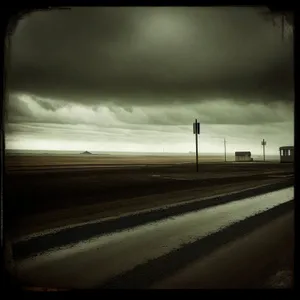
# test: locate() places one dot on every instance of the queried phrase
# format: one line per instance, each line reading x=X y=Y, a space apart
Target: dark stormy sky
x=135 y=78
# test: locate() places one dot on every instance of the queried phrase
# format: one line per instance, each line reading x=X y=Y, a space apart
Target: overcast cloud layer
x=144 y=74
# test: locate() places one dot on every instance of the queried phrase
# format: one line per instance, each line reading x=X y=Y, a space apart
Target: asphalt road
x=150 y=255
x=262 y=259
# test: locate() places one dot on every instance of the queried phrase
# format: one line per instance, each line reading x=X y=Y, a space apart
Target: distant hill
x=86 y=152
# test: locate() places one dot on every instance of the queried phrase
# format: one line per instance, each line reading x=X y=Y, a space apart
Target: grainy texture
x=54 y=195
x=248 y=262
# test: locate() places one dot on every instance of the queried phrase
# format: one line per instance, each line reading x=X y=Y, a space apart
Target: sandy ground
x=39 y=197
x=16 y=162
x=12 y=162
x=40 y=192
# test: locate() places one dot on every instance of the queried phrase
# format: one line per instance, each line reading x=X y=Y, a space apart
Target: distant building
x=243 y=156
x=86 y=152
x=286 y=154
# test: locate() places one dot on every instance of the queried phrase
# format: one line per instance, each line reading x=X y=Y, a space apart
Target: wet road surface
x=267 y=252
x=149 y=253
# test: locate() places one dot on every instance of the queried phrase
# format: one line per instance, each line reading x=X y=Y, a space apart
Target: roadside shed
x=243 y=156
x=286 y=154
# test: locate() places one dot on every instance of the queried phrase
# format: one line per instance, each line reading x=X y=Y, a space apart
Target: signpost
x=196 y=130
x=225 y=150
x=264 y=143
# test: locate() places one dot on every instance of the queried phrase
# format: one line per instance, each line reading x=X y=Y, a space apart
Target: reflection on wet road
x=92 y=263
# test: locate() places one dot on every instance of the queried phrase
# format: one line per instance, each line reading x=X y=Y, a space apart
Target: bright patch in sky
x=53 y=125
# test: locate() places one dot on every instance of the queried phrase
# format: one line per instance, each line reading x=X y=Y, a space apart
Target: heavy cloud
x=151 y=55
x=135 y=78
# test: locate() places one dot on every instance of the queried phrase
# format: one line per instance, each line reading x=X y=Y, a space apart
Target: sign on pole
x=196 y=127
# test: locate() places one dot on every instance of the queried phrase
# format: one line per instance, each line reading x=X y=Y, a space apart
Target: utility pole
x=196 y=129
x=264 y=143
x=225 y=150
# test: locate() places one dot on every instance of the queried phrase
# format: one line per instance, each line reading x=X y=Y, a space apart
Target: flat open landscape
x=56 y=200
x=38 y=185
x=16 y=162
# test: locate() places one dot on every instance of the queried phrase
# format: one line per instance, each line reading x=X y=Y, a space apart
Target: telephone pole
x=225 y=150
x=196 y=130
x=264 y=143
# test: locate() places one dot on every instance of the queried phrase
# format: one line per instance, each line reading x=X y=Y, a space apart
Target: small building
x=286 y=154
x=243 y=156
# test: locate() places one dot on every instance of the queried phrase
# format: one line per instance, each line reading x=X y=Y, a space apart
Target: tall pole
x=225 y=150
x=264 y=144
x=196 y=134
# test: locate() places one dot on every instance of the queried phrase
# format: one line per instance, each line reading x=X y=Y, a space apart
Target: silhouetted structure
x=286 y=154
x=264 y=143
x=86 y=152
x=243 y=156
